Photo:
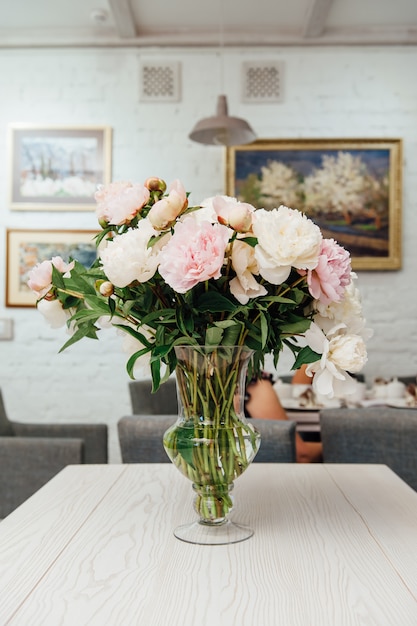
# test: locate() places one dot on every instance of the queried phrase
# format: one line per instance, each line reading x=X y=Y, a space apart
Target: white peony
x=348 y=312
x=127 y=257
x=348 y=352
x=244 y=285
x=286 y=238
x=340 y=354
x=53 y=312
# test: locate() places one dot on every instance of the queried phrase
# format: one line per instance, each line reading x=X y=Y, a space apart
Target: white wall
x=329 y=92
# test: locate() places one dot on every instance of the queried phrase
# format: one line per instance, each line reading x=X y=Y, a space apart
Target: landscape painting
x=350 y=188
x=58 y=168
x=26 y=248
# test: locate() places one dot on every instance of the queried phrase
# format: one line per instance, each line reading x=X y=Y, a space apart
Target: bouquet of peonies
x=220 y=273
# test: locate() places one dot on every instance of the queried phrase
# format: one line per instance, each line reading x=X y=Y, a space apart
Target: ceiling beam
x=123 y=18
x=315 y=19
x=393 y=36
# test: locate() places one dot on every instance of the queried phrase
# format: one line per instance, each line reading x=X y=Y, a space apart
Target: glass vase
x=211 y=442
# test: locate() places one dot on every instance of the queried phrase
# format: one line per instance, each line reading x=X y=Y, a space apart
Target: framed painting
x=351 y=188
x=58 y=168
x=26 y=248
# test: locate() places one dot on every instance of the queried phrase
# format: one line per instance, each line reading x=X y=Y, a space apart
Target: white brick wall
x=329 y=92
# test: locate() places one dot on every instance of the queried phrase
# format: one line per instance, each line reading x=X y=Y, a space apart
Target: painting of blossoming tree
x=350 y=188
x=58 y=168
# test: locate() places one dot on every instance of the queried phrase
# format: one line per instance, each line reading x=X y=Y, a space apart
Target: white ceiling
x=205 y=23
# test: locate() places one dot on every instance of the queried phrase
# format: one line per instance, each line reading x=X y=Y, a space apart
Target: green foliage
x=159 y=318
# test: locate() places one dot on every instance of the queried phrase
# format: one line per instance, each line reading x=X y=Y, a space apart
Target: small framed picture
x=351 y=188
x=26 y=248
x=58 y=168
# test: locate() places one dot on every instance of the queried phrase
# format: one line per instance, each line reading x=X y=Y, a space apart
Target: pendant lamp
x=221 y=129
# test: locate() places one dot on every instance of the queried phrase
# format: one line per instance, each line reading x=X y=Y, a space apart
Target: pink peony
x=118 y=203
x=40 y=276
x=195 y=253
x=327 y=281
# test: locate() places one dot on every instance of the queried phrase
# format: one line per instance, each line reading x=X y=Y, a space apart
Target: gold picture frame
x=58 y=168
x=26 y=248
x=352 y=188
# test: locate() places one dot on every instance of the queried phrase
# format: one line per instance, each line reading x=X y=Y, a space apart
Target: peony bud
x=105 y=287
x=155 y=184
x=240 y=218
x=164 y=212
x=230 y=212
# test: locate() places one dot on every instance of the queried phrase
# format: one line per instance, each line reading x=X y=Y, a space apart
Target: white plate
x=294 y=404
x=400 y=403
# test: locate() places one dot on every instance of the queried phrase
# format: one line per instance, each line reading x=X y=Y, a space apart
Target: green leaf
x=185 y=320
x=306 y=355
x=136 y=334
x=214 y=302
x=87 y=330
x=156 y=374
x=296 y=328
x=264 y=329
x=57 y=278
x=251 y=241
x=85 y=315
x=162 y=316
x=232 y=331
x=279 y=299
x=184 y=443
x=103 y=234
x=98 y=303
x=130 y=365
x=214 y=336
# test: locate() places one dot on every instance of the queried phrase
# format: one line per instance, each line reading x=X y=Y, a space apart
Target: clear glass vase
x=211 y=442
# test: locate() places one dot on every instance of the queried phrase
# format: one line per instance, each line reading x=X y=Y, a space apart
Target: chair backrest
x=372 y=435
x=6 y=428
x=140 y=439
x=277 y=441
x=408 y=380
x=26 y=464
x=162 y=402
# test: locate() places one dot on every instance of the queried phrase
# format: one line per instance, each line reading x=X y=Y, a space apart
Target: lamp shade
x=222 y=130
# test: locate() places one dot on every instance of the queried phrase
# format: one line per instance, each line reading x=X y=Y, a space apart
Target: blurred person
x=262 y=402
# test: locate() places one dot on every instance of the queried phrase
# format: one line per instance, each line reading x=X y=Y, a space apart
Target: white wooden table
x=334 y=545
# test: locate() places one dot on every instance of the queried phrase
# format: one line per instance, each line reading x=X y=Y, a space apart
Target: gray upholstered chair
x=408 y=380
x=31 y=454
x=372 y=435
x=277 y=441
x=162 y=402
x=140 y=438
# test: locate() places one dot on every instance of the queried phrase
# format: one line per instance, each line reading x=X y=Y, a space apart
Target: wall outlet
x=6 y=329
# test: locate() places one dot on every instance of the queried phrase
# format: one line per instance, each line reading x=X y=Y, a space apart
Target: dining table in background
x=333 y=545
x=306 y=420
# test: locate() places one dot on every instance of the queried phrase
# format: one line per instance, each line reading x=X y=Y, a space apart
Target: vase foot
x=213 y=534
